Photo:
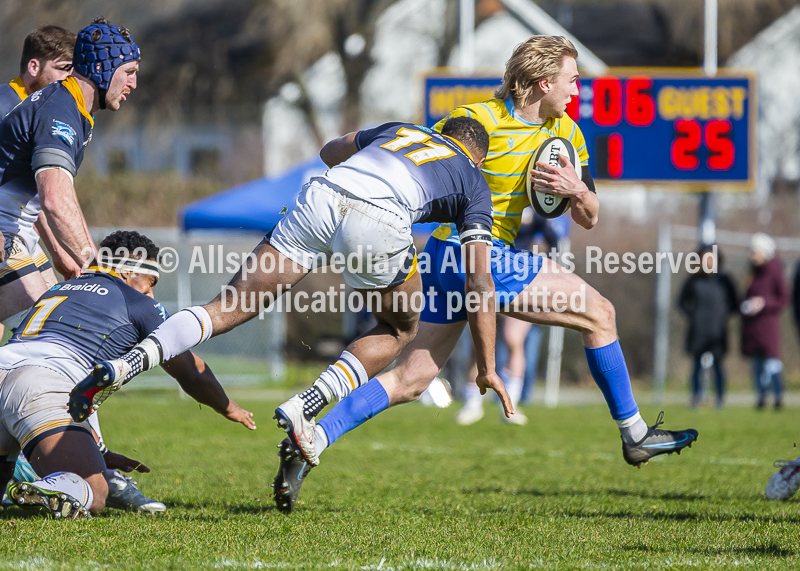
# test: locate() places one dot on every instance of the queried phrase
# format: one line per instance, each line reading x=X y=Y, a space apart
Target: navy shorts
x=440 y=266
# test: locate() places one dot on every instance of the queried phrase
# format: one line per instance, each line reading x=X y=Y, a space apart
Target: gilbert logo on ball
x=544 y=203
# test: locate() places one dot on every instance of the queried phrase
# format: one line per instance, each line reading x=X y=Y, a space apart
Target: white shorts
x=372 y=246
x=23 y=256
x=33 y=405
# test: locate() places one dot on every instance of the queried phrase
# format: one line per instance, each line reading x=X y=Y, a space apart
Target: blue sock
x=354 y=410
x=609 y=371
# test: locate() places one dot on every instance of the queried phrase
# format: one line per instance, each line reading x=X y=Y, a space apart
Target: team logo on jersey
x=36 y=95
x=64 y=131
x=55 y=287
x=161 y=311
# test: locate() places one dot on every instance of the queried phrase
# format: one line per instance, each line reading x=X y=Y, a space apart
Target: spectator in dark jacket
x=708 y=298
x=766 y=296
x=796 y=297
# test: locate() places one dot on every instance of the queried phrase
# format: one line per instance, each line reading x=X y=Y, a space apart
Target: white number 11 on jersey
x=431 y=151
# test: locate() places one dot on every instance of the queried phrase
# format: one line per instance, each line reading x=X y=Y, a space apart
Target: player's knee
x=416 y=381
x=406 y=330
x=602 y=313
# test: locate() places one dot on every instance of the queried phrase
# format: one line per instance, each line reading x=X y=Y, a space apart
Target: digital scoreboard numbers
x=640 y=127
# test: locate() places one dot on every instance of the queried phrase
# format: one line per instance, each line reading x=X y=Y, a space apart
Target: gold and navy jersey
x=512 y=143
x=96 y=316
x=11 y=95
x=418 y=173
x=48 y=129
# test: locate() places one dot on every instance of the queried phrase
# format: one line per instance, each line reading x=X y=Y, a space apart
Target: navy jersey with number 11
x=425 y=175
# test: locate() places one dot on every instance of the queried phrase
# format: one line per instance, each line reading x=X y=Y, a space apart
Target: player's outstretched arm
x=339 y=150
x=194 y=377
x=480 y=304
x=60 y=205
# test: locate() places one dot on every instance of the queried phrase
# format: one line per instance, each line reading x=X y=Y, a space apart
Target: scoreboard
x=646 y=127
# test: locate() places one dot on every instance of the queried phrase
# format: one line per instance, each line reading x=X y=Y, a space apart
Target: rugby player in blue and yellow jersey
x=42 y=142
x=99 y=315
x=539 y=81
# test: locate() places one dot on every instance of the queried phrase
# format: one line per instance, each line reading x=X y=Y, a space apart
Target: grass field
x=411 y=490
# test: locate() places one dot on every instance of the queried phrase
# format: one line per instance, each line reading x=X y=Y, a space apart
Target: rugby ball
x=544 y=203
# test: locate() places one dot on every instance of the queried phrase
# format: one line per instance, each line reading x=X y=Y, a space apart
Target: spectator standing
x=767 y=295
x=708 y=298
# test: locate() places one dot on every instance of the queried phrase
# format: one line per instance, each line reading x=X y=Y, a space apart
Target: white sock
x=320 y=439
x=632 y=429
x=342 y=378
x=184 y=330
x=68 y=483
x=513 y=385
x=472 y=395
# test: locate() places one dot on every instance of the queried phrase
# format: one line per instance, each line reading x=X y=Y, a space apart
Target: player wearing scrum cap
x=47 y=57
x=99 y=315
x=42 y=142
x=529 y=107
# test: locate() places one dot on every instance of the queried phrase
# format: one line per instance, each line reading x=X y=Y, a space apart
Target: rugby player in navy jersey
x=47 y=57
x=99 y=315
x=42 y=142
x=385 y=180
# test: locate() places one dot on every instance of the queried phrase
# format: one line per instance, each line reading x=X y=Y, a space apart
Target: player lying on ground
x=47 y=56
x=539 y=81
x=362 y=210
x=98 y=315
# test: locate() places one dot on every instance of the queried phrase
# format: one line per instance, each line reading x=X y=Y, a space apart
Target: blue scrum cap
x=100 y=49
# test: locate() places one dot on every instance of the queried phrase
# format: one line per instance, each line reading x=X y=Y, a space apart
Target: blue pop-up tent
x=258 y=204
x=254 y=205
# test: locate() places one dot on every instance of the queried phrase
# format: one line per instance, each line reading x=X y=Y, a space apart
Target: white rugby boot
x=300 y=429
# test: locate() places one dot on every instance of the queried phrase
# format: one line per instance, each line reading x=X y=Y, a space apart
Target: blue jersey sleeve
x=367 y=136
x=479 y=206
x=145 y=313
x=8 y=100
x=57 y=135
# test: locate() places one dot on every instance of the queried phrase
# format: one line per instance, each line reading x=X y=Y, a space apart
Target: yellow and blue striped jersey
x=512 y=143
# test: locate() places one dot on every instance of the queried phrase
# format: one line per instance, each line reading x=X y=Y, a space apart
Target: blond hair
x=539 y=57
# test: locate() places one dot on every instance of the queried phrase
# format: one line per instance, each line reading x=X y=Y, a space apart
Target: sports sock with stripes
x=341 y=378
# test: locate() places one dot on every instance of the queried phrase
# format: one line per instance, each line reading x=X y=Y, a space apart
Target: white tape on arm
x=62 y=169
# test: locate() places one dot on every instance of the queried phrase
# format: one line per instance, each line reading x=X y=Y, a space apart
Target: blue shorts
x=512 y=271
